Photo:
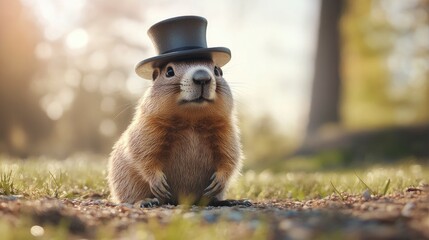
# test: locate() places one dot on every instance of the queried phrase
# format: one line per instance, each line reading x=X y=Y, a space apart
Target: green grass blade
x=336 y=191
x=365 y=184
x=386 y=187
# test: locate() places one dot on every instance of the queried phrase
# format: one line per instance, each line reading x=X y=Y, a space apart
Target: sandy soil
x=403 y=215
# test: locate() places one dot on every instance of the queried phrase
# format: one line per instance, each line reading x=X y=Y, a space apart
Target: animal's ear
x=155 y=74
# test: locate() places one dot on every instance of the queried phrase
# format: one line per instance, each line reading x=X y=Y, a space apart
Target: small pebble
x=391 y=208
x=235 y=216
x=188 y=215
x=290 y=213
x=300 y=232
x=366 y=195
x=10 y=197
x=210 y=217
x=286 y=224
x=407 y=210
x=254 y=224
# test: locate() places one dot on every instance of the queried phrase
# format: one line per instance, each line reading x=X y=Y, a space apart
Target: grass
x=79 y=177
x=83 y=176
x=36 y=178
x=6 y=183
x=308 y=185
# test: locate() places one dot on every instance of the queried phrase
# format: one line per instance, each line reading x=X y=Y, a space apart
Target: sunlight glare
x=57 y=17
x=77 y=39
x=37 y=231
x=54 y=110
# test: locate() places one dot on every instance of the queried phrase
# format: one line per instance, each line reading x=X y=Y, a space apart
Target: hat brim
x=219 y=55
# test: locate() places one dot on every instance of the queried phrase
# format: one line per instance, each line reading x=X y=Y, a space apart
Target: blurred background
x=343 y=81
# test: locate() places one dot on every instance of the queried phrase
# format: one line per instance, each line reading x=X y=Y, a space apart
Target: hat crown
x=178 y=34
x=180 y=38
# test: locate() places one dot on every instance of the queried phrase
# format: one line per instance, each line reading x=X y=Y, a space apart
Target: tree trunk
x=22 y=121
x=326 y=88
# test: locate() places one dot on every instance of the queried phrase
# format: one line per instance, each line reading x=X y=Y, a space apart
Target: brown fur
x=187 y=143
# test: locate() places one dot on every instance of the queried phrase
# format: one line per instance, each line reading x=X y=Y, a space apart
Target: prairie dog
x=183 y=141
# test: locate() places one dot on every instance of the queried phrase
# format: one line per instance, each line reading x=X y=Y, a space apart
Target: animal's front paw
x=217 y=185
x=147 y=203
x=230 y=203
x=159 y=186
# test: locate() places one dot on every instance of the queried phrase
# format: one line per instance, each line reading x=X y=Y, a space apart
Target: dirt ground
x=403 y=215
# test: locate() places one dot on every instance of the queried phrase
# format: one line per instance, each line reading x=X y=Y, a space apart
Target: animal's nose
x=201 y=77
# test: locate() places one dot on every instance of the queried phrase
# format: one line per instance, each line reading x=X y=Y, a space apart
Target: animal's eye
x=170 y=72
x=218 y=72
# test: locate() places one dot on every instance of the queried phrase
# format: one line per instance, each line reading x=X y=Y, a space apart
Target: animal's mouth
x=200 y=99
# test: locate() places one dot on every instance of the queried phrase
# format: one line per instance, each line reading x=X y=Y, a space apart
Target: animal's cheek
x=211 y=91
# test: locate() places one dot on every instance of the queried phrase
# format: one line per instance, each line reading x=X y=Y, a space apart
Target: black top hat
x=180 y=38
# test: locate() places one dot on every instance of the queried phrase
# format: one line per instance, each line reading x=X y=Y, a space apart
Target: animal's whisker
x=127 y=106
